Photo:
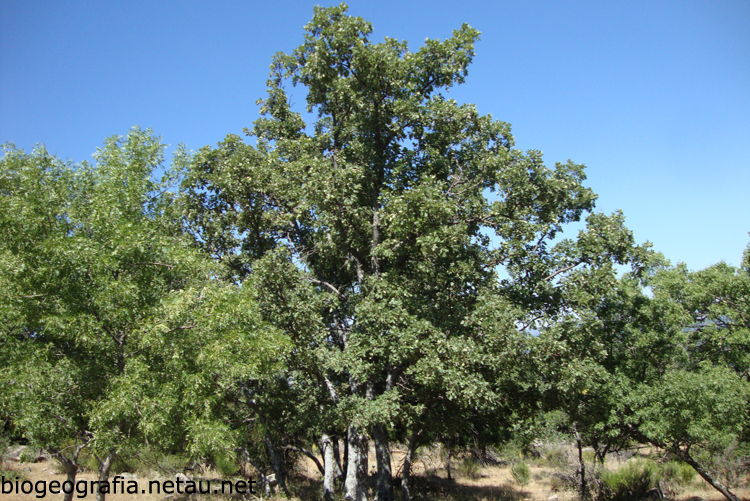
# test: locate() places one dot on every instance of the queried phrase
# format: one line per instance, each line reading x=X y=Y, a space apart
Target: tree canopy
x=382 y=264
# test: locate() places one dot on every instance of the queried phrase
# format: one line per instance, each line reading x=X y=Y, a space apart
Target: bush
x=676 y=476
x=631 y=482
x=226 y=466
x=469 y=468
x=557 y=457
x=677 y=472
x=521 y=473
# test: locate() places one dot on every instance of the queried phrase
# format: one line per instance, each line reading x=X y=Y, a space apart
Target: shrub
x=469 y=468
x=521 y=473
x=678 y=473
x=631 y=482
x=557 y=457
x=226 y=466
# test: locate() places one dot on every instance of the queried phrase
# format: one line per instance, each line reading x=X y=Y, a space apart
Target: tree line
x=391 y=270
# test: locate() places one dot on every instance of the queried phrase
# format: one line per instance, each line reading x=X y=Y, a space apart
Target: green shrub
x=631 y=482
x=511 y=452
x=521 y=473
x=557 y=457
x=28 y=455
x=226 y=466
x=469 y=468
x=678 y=473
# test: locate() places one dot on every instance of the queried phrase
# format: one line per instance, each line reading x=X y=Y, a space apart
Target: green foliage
x=521 y=473
x=701 y=408
x=372 y=237
x=631 y=481
x=226 y=465
x=345 y=274
x=677 y=474
x=470 y=468
x=116 y=330
x=558 y=456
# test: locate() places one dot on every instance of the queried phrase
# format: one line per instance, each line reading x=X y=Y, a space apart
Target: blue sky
x=654 y=97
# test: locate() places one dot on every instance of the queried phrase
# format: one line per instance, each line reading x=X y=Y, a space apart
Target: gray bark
x=329 y=464
x=685 y=456
x=406 y=474
x=337 y=457
x=355 y=486
x=264 y=483
x=70 y=464
x=584 y=487
x=384 y=490
x=448 y=462
x=104 y=466
x=277 y=464
x=70 y=470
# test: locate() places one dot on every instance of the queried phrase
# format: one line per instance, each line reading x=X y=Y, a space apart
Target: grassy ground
x=469 y=481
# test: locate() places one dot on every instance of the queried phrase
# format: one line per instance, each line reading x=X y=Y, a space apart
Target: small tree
x=669 y=368
x=115 y=330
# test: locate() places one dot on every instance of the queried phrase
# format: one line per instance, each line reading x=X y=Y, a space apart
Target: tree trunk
x=70 y=464
x=104 y=466
x=685 y=456
x=345 y=464
x=355 y=486
x=406 y=474
x=337 y=457
x=383 y=459
x=277 y=464
x=584 y=488
x=329 y=464
x=448 y=462
x=264 y=484
x=71 y=470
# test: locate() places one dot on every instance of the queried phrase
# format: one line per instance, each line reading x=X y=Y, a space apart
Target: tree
x=668 y=368
x=115 y=330
x=390 y=214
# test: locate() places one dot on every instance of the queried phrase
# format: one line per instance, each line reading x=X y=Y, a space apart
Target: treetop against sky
x=652 y=97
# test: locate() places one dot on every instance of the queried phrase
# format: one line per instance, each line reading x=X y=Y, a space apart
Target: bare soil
x=431 y=482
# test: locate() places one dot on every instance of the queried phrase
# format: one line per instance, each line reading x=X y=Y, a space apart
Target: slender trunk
x=265 y=484
x=356 y=469
x=310 y=455
x=329 y=463
x=383 y=459
x=406 y=474
x=584 y=488
x=685 y=456
x=277 y=464
x=448 y=463
x=345 y=464
x=337 y=457
x=104 y=466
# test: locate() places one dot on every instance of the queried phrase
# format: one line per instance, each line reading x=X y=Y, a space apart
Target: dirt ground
x=490 y=483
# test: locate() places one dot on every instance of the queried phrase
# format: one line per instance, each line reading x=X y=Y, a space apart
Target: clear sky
x=653 y=96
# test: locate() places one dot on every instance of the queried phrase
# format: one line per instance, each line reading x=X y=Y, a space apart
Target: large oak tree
x=375 y=232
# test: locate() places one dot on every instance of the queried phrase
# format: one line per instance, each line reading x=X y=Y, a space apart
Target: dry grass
x=431 y=483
